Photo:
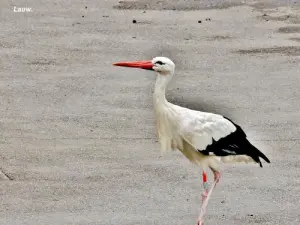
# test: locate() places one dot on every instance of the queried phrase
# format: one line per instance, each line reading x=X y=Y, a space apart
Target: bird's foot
x=200 y=222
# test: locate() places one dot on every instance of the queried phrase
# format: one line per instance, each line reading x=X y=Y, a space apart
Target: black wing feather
x=235 y=143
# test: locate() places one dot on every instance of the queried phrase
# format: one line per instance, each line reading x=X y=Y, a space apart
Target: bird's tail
x=257 y=154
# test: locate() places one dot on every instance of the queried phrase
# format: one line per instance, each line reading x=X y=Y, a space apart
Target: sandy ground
x=78 y=142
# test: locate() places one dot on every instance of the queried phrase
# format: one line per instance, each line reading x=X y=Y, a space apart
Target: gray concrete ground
x=78 y=142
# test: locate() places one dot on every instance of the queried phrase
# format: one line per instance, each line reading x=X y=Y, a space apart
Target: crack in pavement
x=4 y=175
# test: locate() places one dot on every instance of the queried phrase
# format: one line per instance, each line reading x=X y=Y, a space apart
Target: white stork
x=204 y=138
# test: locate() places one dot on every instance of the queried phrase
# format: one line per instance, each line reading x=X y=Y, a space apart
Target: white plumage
x=189 y=130
x=204 y=138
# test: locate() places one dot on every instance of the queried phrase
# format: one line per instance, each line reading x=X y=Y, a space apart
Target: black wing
x=235 y=143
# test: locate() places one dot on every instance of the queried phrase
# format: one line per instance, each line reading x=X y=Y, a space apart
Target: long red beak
x=146 y=65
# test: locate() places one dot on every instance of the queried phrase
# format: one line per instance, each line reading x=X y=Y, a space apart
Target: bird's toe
x=200 y=222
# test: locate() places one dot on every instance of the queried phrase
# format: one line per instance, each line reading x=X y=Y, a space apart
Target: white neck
x=159 y=95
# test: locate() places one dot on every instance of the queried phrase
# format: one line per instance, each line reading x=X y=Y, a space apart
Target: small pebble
x=86 y=7
x=207 y=19
x=82 y=16
x=133 y=21
x=265 y=14
x=75 y=23
x=199 y=21
x=222 y=201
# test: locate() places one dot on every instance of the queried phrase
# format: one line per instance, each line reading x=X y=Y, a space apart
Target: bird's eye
x=159 y=62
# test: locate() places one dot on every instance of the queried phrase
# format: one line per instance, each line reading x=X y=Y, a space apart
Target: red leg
x=205 y=201
x=205 y=186
x=217 y=176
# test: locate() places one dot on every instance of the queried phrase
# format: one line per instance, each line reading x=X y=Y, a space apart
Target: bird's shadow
x=194 y=103
x=200 y=105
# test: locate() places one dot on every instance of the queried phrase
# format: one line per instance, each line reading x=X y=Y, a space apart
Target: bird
x=204 y=138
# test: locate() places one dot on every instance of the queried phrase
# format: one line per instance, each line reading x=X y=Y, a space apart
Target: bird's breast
x=167 y=130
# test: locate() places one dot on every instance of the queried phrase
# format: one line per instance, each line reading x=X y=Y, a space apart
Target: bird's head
x=162 y=65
